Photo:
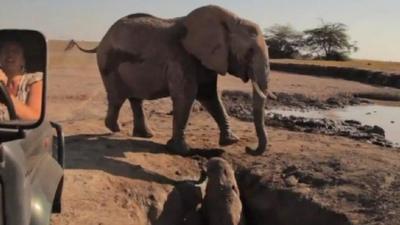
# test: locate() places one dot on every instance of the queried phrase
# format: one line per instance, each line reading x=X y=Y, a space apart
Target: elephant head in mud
x=142 y=57
x=222 y=204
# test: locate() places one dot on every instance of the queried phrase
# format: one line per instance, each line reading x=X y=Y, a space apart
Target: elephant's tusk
x=271 y=95
x=258 y=90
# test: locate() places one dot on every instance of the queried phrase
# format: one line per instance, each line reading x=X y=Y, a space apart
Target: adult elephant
x=145 y=57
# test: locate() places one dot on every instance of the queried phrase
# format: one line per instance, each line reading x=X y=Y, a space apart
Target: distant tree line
x=328 y=41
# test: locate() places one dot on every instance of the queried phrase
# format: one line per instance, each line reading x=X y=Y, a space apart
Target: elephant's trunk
x=259 y=83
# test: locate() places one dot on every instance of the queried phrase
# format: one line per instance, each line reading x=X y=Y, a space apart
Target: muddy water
x=387 y=117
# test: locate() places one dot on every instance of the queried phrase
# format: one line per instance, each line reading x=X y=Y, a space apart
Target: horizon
x=91 y=41
x=376 y=36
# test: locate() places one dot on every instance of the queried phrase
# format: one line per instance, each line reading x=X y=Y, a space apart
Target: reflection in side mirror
x=22 y=78
x=7 y=101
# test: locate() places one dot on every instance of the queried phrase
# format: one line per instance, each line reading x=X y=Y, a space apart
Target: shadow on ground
x=106 y=152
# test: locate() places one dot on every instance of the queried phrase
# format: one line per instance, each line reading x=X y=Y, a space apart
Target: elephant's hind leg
x=181 y=111
x=140 y=127
x=115 y=99
x=111 y=120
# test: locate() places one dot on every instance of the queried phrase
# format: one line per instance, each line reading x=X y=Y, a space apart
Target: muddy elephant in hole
x=222 y=204
x=145 y=57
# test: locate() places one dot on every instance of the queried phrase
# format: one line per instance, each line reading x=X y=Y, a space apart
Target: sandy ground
x=117 y=179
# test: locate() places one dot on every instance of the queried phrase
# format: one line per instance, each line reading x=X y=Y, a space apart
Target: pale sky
x=374 y=24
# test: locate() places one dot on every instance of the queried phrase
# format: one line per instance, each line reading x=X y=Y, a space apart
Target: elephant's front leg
x=214 y=106
x=181 y=110
x=140 y=127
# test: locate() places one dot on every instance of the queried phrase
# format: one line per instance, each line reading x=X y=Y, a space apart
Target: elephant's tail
x=73 y=43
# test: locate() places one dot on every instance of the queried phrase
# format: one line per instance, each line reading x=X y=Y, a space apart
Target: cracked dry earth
x=115 y=179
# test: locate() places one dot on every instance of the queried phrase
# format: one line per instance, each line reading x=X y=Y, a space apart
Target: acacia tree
x=330 y=41
x=283 y=41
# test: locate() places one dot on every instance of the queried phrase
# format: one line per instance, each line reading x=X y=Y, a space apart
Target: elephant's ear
x=206 y=37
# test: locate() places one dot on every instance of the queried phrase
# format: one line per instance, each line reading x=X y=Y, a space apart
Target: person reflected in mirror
x=25 y=89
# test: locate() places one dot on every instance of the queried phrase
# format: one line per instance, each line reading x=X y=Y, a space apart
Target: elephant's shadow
x=103 y=152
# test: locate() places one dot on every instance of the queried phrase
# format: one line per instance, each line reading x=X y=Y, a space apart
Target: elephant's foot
x=112 y=125
x=257 y=151
x=144 y=133
x=178 y=146
x=227 y=138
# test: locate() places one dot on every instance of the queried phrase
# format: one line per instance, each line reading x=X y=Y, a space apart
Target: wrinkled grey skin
x=222 y=205
x=145 y=57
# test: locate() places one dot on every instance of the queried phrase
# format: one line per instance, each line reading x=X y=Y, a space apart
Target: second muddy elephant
x=222 y=204
x=145 y=57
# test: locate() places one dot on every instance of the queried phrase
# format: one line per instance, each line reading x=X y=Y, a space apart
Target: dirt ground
x=386 y=66
x=114 y=179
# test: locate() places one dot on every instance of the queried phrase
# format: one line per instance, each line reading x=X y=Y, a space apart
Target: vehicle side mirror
x=23 y=62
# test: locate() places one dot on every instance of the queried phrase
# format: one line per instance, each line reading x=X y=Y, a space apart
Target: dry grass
x=390 y=67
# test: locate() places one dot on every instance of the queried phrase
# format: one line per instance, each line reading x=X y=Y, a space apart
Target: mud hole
x=265 y=204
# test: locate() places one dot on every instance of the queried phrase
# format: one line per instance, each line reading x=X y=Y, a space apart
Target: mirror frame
x=38 y=37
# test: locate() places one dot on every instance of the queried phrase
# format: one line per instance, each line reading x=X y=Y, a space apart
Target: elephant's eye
x=252 y=31
x=249 y=55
